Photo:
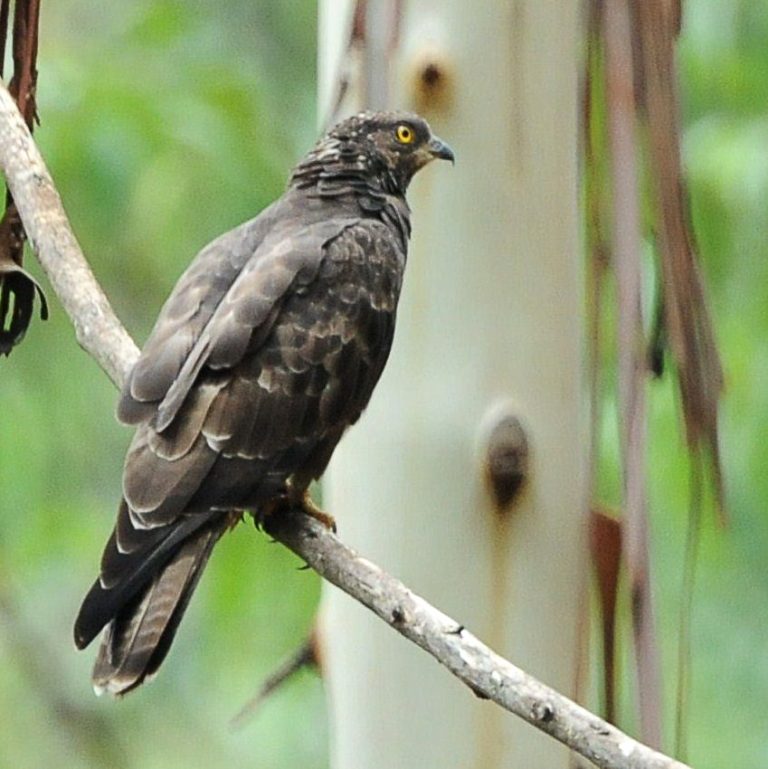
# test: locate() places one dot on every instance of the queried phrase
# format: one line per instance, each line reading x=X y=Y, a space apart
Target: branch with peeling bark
x=102 y=335
x=98 y=330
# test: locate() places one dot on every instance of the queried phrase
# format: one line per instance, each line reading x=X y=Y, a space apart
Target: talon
x=267 y=510
x=310 y=508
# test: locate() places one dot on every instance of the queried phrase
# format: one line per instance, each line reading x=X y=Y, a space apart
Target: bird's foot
x=267 y=510
x=284 y=503
x=308 y=506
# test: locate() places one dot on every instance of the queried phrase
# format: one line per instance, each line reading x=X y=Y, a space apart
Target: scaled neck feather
x=338 y=168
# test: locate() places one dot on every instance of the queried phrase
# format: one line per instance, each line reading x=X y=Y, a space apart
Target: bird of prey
x=266 y=351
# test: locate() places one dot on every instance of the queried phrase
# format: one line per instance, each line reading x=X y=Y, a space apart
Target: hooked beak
x=439 y=149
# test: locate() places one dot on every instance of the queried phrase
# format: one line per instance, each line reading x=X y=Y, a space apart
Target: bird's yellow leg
x=308 y=506
x=292 y=501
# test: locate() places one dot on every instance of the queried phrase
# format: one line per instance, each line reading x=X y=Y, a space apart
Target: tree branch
x=102 y=335
x=98 y=330
x=485 y=672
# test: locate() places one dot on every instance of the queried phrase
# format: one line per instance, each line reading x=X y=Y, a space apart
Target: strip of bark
x=620 y=102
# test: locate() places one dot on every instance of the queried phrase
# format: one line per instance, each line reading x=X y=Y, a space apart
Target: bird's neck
x=345 y=173
x=335 y=168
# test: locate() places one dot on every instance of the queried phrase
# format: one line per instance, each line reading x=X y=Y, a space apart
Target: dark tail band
x=136 y=641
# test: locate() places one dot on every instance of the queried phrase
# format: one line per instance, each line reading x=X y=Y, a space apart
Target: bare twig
x=305 y=656
x=488 y=674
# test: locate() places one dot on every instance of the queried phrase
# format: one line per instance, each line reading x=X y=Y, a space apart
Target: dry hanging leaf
x=605 y=546
x=687 y=320
x=17 y=287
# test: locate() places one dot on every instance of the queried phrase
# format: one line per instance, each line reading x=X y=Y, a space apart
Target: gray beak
x=439 y=149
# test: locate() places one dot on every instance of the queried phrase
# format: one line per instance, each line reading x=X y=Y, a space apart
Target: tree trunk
x=489 y=339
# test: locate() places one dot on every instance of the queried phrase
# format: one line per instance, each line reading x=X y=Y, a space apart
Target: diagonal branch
x=98 y=331
x=101 y=334
x=489 y=675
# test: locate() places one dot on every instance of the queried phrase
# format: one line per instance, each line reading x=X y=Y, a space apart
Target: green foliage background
x=166 y=123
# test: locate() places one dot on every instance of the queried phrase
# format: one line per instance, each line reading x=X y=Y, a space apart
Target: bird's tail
x=136 y=641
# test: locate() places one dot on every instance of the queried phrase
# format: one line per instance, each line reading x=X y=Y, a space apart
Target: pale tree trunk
x=490 y=326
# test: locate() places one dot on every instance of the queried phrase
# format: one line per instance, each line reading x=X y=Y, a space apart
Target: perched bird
x=266 y=351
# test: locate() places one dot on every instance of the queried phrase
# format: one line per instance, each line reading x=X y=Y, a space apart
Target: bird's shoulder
x=232 y=288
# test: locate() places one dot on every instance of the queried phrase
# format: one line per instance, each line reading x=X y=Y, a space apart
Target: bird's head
x=387 y=148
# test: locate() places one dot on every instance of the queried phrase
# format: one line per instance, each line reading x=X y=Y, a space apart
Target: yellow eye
x=405 y=134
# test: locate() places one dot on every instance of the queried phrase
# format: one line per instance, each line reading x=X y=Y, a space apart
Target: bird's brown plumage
x=268 y=348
